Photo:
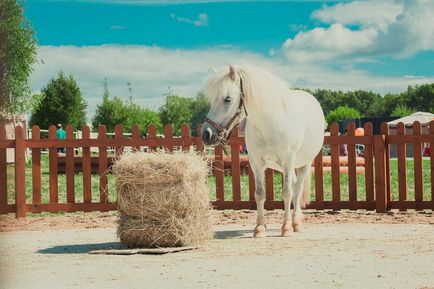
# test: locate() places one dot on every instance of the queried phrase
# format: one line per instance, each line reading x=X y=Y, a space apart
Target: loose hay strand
x=163 y=199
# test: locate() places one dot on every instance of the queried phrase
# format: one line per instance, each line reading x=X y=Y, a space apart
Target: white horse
x=284 y=131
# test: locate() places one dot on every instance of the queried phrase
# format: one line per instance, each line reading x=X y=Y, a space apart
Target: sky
x=162 y=47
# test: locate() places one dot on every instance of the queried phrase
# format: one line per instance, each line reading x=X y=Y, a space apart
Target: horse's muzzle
x=209 y=135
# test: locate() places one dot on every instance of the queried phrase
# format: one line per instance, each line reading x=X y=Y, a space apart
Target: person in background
x=427 y=150
x=343 y=149
x=61 y=134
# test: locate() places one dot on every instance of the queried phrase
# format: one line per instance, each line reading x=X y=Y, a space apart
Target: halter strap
x=225 y=131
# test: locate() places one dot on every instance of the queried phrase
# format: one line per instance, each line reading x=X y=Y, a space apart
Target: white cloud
x=326 y=43
x=202 y=19
x=151 y=70
x=392 y=28
x=365 y=13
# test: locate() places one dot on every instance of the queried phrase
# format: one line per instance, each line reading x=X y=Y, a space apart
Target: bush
x=342 y=113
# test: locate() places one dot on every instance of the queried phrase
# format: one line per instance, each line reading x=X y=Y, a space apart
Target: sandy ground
x=242 y=217
x=337 y=250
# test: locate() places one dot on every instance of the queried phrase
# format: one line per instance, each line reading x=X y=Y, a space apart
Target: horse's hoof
x=298 y=228
x=286 y=231
x=260 y=231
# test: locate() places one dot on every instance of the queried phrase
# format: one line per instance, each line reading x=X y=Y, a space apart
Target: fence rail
x=373 y=190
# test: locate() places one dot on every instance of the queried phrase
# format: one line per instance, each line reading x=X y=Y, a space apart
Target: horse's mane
x=257 y=82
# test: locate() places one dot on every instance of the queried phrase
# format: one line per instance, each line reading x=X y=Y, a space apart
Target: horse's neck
x=260 y=121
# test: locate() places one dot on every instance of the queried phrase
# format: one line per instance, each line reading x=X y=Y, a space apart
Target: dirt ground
x=337 y=250
x=244 y=217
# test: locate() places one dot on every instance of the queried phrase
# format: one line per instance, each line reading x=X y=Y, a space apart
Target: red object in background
x=427 y=151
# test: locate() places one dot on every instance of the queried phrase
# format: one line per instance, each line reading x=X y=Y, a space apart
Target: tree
x=402 y=110
x=342 y=113
x=111 y=112
x=60 y=102
x=200 y=108
x=421 y=97
x=17 y=56
x=177 y=110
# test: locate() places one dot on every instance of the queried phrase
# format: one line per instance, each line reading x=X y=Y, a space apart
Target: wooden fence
x=370 y=191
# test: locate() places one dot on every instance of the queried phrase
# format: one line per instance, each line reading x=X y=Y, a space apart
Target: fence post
x=380 y=173
x=20 y=173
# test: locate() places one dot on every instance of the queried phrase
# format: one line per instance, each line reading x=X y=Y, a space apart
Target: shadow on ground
x=81 y=248
x=86 y=248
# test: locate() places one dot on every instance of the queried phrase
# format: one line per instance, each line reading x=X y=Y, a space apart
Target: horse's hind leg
x=258 y=172
x=287 y=194
x=302 y=174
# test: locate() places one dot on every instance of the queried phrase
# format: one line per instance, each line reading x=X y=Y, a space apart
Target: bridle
x=223 y=133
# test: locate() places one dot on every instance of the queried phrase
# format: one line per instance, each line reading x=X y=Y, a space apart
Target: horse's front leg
x=287 y=194
x=258 y=172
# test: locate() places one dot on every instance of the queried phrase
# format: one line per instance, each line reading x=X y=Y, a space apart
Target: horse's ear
x=232 y=73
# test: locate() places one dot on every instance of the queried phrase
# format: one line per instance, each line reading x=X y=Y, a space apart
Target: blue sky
x=373 y=45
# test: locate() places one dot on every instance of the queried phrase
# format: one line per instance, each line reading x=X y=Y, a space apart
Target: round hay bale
x=163 y=200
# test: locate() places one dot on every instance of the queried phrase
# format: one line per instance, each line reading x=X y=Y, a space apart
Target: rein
x=223 y=133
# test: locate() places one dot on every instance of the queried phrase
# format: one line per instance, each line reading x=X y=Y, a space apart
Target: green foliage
x=111 y=112
x=402 y=110
x=17 y=56
x=178 y=110
x=60 y=102
x=200 y=108
x=369 y=104
x=342 y=113
x=420 y=97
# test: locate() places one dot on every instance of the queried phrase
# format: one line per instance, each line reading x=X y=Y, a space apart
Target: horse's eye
x=228 y=99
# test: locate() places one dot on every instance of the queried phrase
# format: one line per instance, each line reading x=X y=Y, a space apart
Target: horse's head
x=227 y=96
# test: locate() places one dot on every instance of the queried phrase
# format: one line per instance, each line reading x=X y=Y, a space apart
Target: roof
x=423 y=117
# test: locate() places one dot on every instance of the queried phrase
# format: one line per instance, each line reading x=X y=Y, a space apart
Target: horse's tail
x=305 y=198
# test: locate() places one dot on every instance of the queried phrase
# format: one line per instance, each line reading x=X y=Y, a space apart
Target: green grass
x=227 y=184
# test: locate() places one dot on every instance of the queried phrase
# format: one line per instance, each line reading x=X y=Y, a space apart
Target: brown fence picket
x=3 y=170
x=319 y=177
x=380 y=174
x=369 y=166
x=54 y=186
x=152 y=136
x=70 y=167
x=86 y=167
x=20 y=173
x=185 y=137
x=431 y=146
x=335 y=164
x=102 y=166
x=135 y=135
x=352 y=166
x=384 y=130
x=418 y=169
x=36 y=167
x=251 y=185
x=235 y=168
x=119 y=135
x=269 y=185
x=402 y=164
x=168 y=137
x=219 y=173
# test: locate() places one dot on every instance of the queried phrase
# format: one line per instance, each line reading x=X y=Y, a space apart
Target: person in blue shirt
x=61 y=134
